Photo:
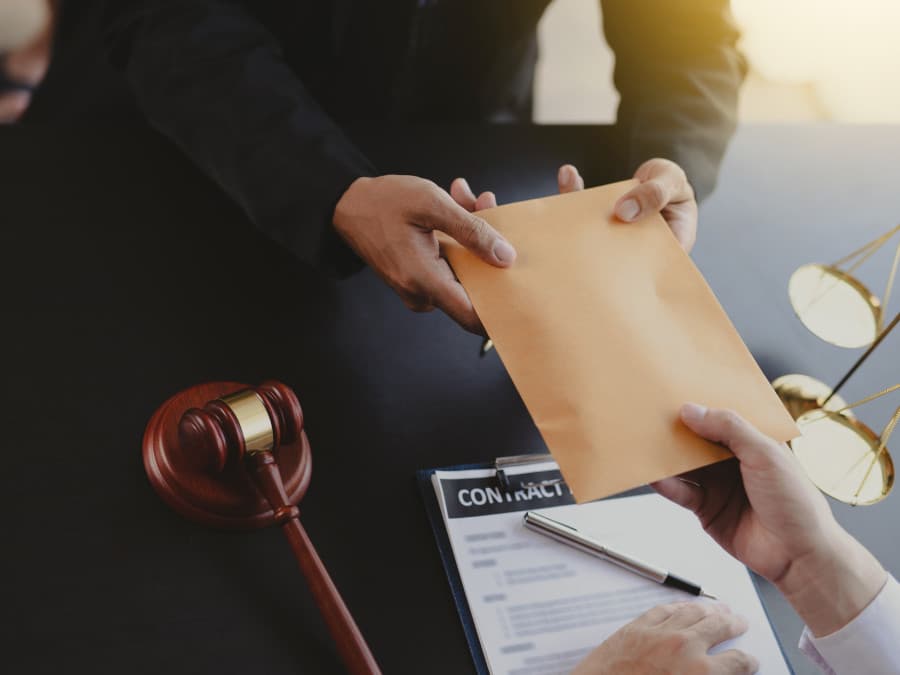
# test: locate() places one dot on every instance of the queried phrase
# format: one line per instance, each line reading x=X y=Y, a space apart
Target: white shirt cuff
x=868 y=644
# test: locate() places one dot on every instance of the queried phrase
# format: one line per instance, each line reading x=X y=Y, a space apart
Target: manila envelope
x=606 y=328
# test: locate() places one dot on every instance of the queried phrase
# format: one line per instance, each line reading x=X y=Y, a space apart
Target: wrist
x=337 y=245
x=831 y=584
x=345 y=203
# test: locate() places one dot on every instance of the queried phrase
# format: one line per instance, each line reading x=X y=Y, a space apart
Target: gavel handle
x=351 y=645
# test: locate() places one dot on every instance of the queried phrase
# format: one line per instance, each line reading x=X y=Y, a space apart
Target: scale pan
x=835 y=306
x=840 y=455
x=802 y=393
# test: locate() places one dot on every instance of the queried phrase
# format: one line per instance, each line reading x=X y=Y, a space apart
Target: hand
x=390 y=222
x=28 y=62
x=672 y=639
x=462 y=194
x=664 y=189
x=567 y=178
x=763 y=510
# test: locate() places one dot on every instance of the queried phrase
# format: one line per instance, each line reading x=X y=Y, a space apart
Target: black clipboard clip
x=502 y=464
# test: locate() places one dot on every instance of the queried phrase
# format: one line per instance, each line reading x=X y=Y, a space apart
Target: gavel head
x=195 y=445
x=256 y=419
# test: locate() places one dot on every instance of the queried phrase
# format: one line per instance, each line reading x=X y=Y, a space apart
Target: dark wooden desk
x=111 y=242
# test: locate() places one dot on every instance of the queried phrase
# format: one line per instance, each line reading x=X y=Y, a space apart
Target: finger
x=729 y=429
x=649 y=197
x=454 y=302
x=442 y=213
x=486 y=200
x=685 y=494
x=720 y=626
x=416 y=304
x=450 y=297
x=662 y=183
x=462 y=194
x=13 y=105
x=658 y=614
x=685 y=232
x=734 y=662
x=568 y=179
x=688 y=614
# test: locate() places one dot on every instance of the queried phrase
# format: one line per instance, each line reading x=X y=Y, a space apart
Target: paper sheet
x=540 y=607
x=606 y=328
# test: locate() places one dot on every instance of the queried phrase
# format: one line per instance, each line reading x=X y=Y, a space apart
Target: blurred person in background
x=26 y=42
x=258 y=94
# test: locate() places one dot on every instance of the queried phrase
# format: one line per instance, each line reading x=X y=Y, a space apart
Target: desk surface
x=112 y=242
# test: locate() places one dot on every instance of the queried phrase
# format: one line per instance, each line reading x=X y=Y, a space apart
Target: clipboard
x=433 y=510
x=448 y=559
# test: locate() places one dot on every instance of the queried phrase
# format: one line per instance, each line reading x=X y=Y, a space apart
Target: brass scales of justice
x=842 y=456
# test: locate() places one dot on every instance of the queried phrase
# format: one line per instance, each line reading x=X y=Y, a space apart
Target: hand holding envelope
x=606 y=329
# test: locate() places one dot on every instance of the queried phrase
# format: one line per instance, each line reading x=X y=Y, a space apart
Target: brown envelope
x=606 y=328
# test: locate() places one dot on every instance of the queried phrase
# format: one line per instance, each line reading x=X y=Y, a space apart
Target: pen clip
x=501 y=464
x=537 y=518
x=562 y=532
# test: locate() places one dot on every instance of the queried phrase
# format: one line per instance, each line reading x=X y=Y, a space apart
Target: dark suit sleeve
x=212 y=78
x=678 y=72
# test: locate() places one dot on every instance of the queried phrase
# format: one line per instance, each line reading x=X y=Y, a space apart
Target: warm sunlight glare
x=847 y=52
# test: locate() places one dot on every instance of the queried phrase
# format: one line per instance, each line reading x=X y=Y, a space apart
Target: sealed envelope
x=606 y=328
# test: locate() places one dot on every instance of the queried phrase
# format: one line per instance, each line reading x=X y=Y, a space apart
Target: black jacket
x=255 y=92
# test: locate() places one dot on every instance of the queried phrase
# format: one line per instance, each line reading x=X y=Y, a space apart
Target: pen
x=571 y=536
x=486 y=346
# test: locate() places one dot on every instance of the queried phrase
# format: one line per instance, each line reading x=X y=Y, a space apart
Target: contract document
x=539 y=606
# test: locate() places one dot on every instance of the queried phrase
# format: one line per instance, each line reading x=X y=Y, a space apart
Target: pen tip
x=708 y=595
x=486 y=346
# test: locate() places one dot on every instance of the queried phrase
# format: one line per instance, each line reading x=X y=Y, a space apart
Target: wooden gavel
x=233 y=456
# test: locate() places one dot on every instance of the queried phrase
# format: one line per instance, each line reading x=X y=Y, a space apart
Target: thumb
x=725 y=427
x=470 y=230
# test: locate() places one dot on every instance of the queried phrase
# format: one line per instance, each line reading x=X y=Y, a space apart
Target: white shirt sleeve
x=868 y=644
